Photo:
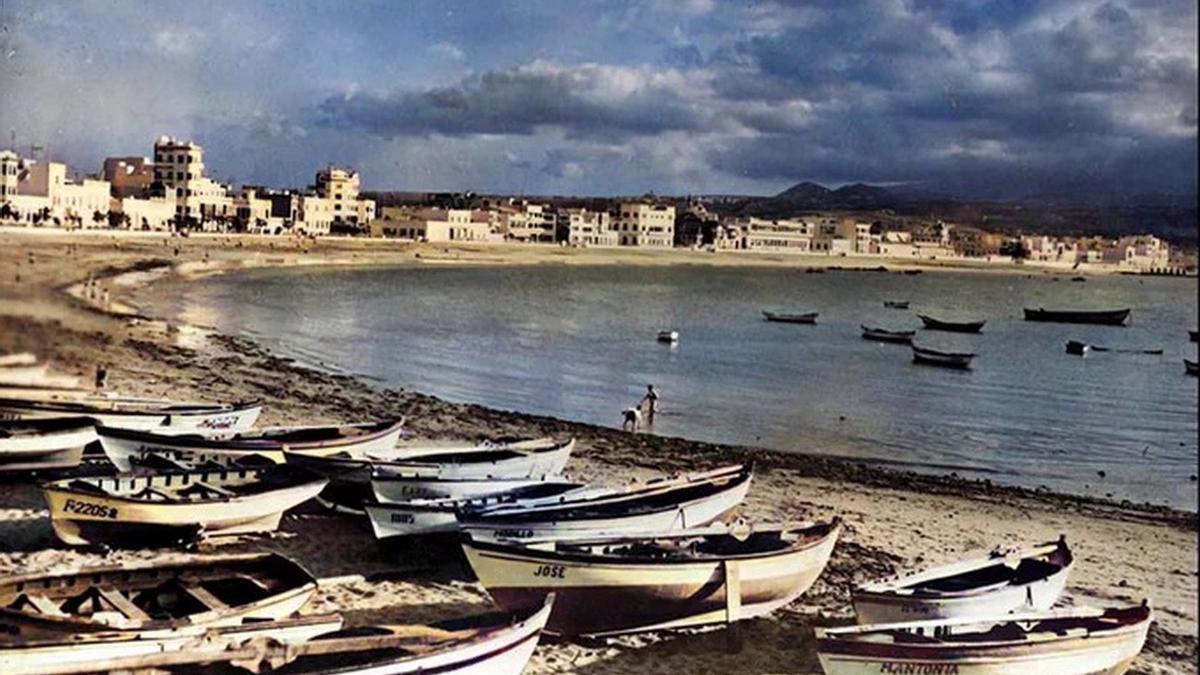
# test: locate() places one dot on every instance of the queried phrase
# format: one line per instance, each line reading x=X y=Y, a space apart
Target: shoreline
x=882 y=503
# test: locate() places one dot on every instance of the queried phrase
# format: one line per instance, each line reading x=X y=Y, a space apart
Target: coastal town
x=170 y=192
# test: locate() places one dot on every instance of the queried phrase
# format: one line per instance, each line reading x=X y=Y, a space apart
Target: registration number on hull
x=89 y=509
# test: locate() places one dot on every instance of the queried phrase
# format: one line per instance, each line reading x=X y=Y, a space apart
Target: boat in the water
x=130 y=448
x=133 y=598
x=668 y=336
x=391 y=519
x=936 y=357
x=1194 y=335
x=151 y=650
x=1106 y=317
x=660 y=505
x=621 y=584
x=30 y=445
x=487 y=644
x=1076 y=641
x=1078 y=348
x=1029 y=579
x=895 y=304
x=884 y=335
x=176 y=507
x=951 y=326
x=133 y=413
x=1191 y=367
x=781 y=317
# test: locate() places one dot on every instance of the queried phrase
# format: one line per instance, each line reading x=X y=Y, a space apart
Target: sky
x=974 y=98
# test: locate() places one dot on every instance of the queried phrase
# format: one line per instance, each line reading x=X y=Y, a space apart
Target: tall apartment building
x=340 y=187
x=580 y=227
x=640 y=224
x=179 y=170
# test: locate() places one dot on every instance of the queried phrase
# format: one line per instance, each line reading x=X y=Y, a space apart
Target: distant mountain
x=805 y=193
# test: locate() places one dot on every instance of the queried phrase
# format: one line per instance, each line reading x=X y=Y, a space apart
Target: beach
x=894 y=520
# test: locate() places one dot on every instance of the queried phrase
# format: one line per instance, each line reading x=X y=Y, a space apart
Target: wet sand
x=894 y=519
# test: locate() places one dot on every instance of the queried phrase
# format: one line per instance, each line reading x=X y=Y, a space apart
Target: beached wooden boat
x=129 y=448
x=397 y=489
x=952 y=326
x=1078 y=348
x=1107 y=317
x=896 y=304
x=660 y=505
x=27 y=445
x=18 y=359
x=1077 y=641
x=806 y=317
x=132 y=413
x=137 y=652
x=487 y=644
x=884 y=335
x=176 y=506
x=669 y=336
x=614 y=585
x=391 y=519
x=22 y=376
x=934 y=357
x=1029 y=579
x=133 y=599
x=1191 y=367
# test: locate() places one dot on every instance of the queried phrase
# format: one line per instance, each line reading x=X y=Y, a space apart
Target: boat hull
x=1040 y=595
x=597 y=597
x=1115 y=317
x=958 y=361
x=404 y=489
x=674 y=517
x=61 y=448
x=951 y=326
x=129 y=450
x=790 y=318
x=80 y=519
x=231 y=419
x=897 y=337
x=533 y=465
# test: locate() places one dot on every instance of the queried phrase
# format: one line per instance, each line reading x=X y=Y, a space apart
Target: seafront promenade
x=893 y=519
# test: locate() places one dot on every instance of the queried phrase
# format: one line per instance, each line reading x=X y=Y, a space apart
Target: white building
x=432 y=225
x=640 y=224
x=179 y=171
x=580 y=227
x=38 y=193
x=340 y=187
x=522 y=221
x=153 y=214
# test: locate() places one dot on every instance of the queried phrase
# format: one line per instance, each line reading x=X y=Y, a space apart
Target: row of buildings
x=170 y=191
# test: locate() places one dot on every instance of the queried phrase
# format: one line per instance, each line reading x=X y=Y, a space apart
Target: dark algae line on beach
x=579 y=344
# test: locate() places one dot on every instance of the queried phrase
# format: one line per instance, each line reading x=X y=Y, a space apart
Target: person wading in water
x=649 y=404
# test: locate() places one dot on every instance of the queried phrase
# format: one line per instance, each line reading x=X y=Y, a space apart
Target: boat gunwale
x=191 y=441
x=305 y=478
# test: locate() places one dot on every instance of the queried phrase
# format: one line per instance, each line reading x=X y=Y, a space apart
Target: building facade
x=641 y=224
x=179 y=176
x=581 y=227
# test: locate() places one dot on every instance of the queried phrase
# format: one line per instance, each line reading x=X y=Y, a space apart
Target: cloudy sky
x=975 y=97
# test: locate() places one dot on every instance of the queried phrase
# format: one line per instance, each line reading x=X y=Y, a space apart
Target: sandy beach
x=894 y=520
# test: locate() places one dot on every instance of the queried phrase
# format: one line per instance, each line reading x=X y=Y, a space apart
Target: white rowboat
x=27 y=445
x=989 y=586
x=130 y=413
x=1079 y=641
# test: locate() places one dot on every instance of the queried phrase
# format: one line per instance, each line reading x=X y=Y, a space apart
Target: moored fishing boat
x=1194 y=335
x=668 y=336
x=390 y=519
x=781 y=317
x=896 y=304
x=134 y=651
x=129 y=448
x=1107 y=317
x=884 y=335
x=620 y=584
x=660 y=505
x=1191 y=367
x=934 y=357
x=27 y=445
x=161 y=415
x=133 y=599
x=1078 y=348
x=1078 y=641
x=176 y=506
x=951 y=326
x=487 y=644
x=1029 y=579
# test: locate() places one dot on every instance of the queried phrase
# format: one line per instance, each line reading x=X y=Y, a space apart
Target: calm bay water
x=578 y=343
